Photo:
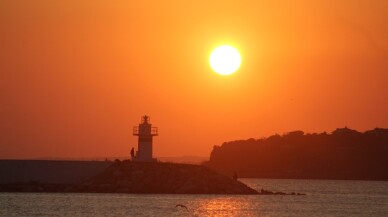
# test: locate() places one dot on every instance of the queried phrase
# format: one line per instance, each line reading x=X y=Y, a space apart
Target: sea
x=323 y=198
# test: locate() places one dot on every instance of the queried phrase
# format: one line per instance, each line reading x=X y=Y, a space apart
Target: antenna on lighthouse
x=145 y=133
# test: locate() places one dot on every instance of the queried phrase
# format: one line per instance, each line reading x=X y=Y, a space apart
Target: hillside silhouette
x=342 y=154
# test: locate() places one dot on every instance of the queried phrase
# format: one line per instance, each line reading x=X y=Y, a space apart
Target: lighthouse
x=145 y=132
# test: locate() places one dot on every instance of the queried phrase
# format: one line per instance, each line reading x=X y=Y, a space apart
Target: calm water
x=324 y=198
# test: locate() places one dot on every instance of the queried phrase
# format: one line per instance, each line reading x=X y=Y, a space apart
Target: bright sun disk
x=225 y=60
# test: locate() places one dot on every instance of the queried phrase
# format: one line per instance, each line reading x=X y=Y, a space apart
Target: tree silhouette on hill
x=342 y=154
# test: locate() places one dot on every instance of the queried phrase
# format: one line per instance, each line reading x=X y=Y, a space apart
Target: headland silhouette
x=342 y=154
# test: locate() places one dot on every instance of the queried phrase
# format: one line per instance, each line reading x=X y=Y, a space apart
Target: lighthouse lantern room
x=145 y=132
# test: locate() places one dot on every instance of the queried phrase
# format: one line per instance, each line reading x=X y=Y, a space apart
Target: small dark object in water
x=266 y=192
x=181 y=205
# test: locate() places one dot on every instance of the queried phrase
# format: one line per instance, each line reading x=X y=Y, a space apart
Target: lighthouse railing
x=154 y=131
x=136 y=131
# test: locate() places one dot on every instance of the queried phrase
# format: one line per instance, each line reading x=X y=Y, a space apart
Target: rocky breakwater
x=161 y=178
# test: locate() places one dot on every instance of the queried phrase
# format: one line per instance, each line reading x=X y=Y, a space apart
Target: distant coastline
x=344 y=154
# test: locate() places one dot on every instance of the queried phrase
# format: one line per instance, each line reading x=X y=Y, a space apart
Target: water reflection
x=323 y=198
x=225 y=206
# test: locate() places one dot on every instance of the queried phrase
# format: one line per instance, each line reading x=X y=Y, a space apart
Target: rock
x=117 y=173
x=265 y=192
x=153 y=178
x=165 y=178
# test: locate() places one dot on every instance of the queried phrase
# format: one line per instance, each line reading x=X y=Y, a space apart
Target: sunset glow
x=194 y=108
x=76 y=76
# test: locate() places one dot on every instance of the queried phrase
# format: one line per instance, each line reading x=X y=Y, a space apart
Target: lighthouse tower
x=145 y=132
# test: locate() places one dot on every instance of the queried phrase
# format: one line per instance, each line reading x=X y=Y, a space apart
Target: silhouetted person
x=235 y=175
x=133 y=153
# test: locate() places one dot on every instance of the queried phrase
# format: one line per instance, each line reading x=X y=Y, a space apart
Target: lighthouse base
x=137 y=159
x=144 y=153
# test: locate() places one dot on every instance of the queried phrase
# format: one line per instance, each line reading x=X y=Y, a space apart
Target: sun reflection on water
x=224 y=206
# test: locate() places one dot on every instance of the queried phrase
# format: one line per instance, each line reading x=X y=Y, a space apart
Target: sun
x=225 y=60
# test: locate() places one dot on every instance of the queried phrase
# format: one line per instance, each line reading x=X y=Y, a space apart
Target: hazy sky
x=76 y=76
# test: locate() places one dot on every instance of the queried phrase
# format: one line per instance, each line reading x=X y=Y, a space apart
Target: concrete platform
x=49 y=171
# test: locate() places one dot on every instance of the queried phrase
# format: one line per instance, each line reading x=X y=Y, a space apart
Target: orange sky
x=75 y=76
